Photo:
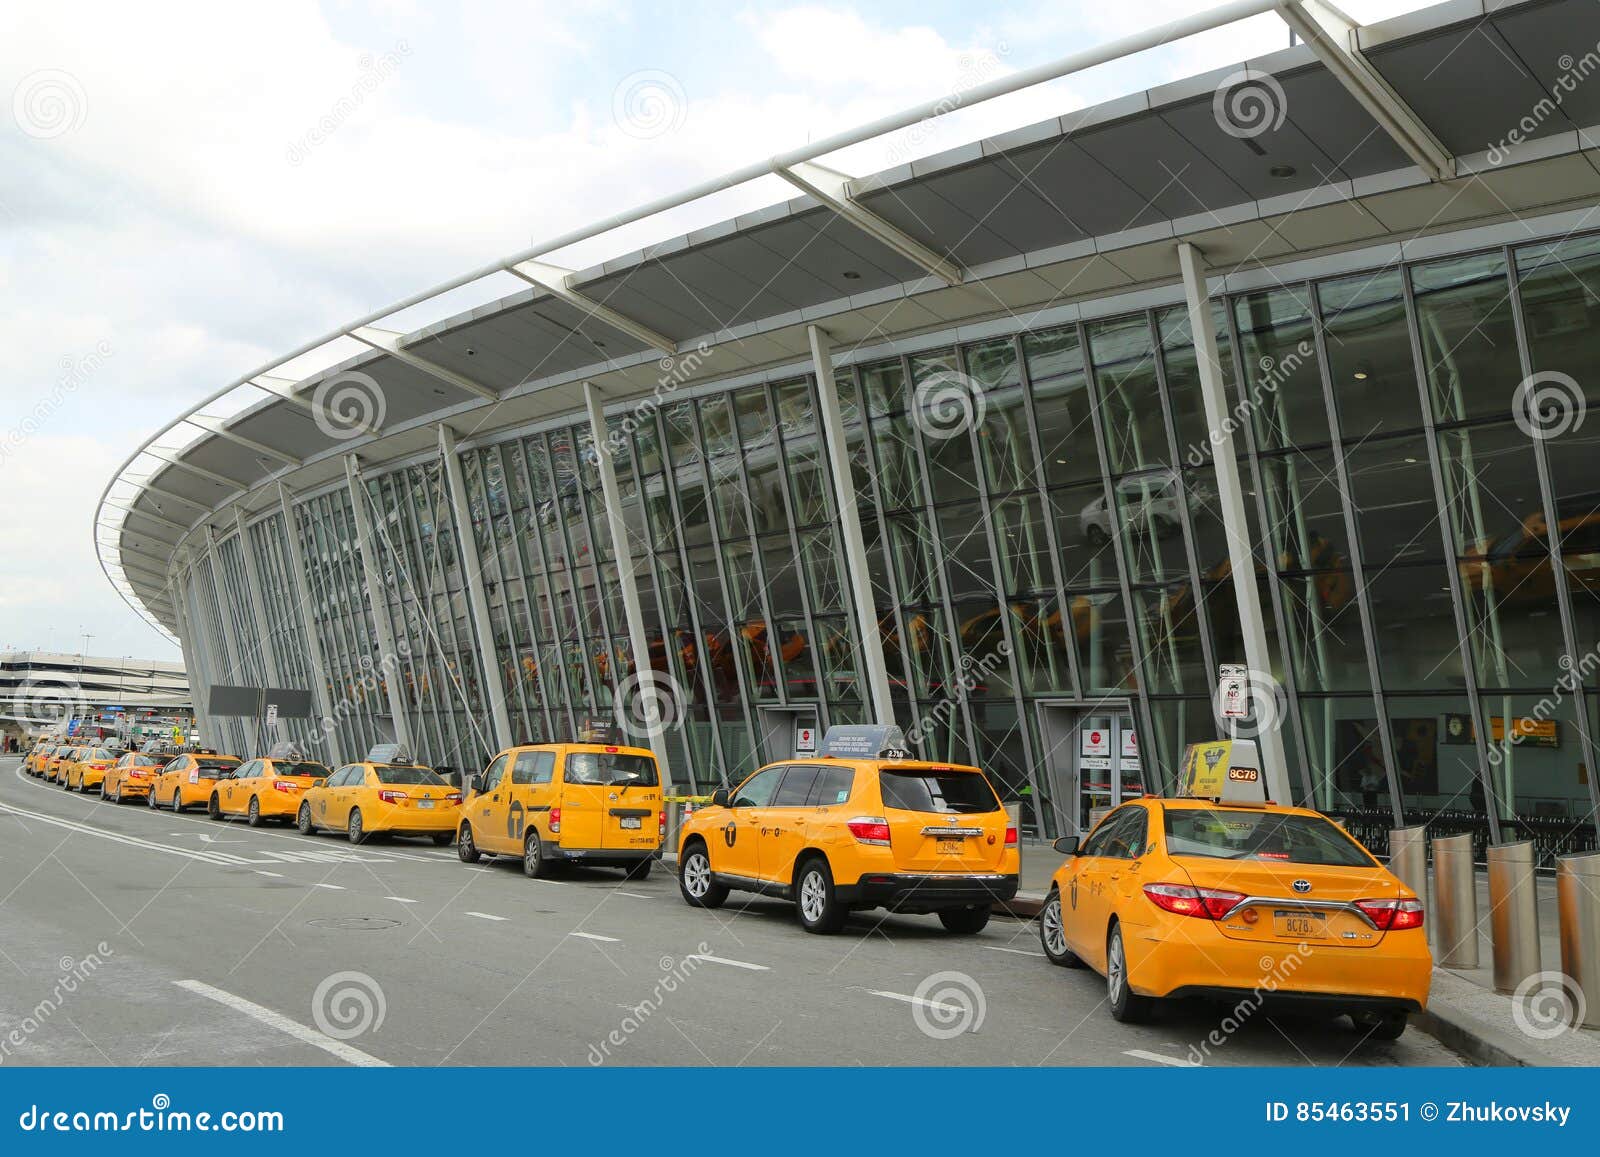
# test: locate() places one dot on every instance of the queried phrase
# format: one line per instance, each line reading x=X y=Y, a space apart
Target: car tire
x=252 y=814
x=699 y=887
x=214 y=807
x=466 y=847
x=442 y=839
x=353 y=828
x=1127 y=1007
x=302 y=821
x=177 y=800
x=816 y=900
x=534 y=864
x=150 y=798
x=1381 y=1025
x=965 y=921
x=1053 y=934
x=638 y=871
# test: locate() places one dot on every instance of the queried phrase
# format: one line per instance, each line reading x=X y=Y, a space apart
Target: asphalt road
x=130 y=937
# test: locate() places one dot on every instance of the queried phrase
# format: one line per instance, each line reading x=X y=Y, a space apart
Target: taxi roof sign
x=284 y=749
x=388 y=753
x=597 y=730
x=1228 y=770
x=865 y=741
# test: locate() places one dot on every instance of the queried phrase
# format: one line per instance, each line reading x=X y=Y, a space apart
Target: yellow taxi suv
x=131 y=777
x=270 y=788
x=567 y=803
x=88 y=771
x=859 y=826
x=386 y=793
x=1234 y=899
x=188 y=779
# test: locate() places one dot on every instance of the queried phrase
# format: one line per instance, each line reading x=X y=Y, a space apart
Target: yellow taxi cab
x=579 y=803
x=131 y=776
x=89 y=769
x=61 y=762
x=34 y=764
x=384 y=793
x=267 y=788
x=1223 y=894
x=859 y=826
x=187 y=779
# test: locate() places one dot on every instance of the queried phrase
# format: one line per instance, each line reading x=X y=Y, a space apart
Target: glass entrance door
x=1092 y=761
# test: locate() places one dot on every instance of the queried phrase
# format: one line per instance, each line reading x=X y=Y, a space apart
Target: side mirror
x=719 y=798
x=474 y=784
x=320 y=782
x=1066 y=845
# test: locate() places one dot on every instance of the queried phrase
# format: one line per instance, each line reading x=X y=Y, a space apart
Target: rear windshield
x=215 y=763
x=417 y=775
x=315 y=770
x=603 y=769
x=101 y=753
x=943 y=790
x=1271 y=837
x=146 y=761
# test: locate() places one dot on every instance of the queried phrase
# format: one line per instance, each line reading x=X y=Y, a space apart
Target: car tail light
x=1185 y=900
x=661 y=821
x=1393 y=915
x=555 y=821
x=870 y=830
x=1011 y=836
x=135 y=774
x=392 y=796
x=285 y=785
x=453 y=797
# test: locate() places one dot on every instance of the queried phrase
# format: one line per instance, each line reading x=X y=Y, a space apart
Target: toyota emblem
x=1301 y=886
x=953 y=821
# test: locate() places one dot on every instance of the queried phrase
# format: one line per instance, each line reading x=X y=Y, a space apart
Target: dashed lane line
x=730 y=963
x=1014 y=951
x=347 y=1053
x=401 y=899
x=1175 y=1062
x=925 y=1003
x=485 y=915
x=595 y=936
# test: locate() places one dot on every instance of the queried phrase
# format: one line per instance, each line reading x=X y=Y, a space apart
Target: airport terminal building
x=939 y=443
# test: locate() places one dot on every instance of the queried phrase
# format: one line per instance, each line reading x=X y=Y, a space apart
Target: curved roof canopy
x=1382 y=133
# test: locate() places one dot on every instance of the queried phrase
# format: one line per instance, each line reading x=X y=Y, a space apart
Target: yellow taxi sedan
x=267 y=788
x=88 y=771
x=393 y=796
x=54 y=766
x=1202 y=898
x=187 y=780
x=131 y=777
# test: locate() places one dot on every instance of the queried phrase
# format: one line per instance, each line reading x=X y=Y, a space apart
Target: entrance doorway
x=1091 y=760
x=788 y=731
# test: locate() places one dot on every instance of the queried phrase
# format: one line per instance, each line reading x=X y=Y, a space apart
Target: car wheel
x=214 y=807
x=354 y=829
x=466 y=846
x=253 y=813
x=442 y=839
x=816 y=901
x=302 y=821
x=1381 y=1025
x=967 y=921
x=150 y=799
x=1126 y=1006
x=700 y=889
x=1053 y=933
x=640 y=870
x=534 y=865
x=177 y=800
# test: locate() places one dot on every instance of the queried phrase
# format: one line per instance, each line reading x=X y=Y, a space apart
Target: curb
x=1481 y=1043
x=1023 y=906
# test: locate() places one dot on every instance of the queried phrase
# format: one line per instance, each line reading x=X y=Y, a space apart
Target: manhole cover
x=354 y=923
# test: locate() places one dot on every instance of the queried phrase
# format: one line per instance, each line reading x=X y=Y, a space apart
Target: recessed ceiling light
x=851 y=275
x=1411 y=461
x=1283 y=172
x=1361 y=375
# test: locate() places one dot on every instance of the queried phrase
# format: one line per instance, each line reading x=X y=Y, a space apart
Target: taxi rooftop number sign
x=865 y=741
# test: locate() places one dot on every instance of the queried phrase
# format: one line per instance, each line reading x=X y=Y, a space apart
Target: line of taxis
x=1218 y=893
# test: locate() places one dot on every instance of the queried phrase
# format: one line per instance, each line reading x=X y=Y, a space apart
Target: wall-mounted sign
x=1526 y=730
x=1094 y=741
x=805 y=740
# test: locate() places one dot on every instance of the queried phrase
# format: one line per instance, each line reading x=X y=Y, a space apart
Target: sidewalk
x=1464 y=1010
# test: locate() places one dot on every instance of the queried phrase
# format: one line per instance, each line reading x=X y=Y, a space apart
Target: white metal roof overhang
x=1388 y=132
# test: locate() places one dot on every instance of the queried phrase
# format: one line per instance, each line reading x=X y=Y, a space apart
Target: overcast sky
x=173 y=214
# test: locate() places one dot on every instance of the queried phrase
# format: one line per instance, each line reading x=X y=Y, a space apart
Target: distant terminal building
x=43 y=692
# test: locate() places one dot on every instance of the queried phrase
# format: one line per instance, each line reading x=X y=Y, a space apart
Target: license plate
x=424 y=803
x=630 y=822
x=952 y=845
x=1300 y=925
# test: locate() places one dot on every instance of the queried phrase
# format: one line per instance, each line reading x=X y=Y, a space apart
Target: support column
x=258 y=617
x=191 y=655
x=314 y=658
x=1230 y=497
x=389 y=652
x=231 y=643
x=494 y=683
x=869 y=641
x=638 y=639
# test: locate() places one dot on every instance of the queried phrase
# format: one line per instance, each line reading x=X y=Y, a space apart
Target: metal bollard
x=1513 y=915
x=1578 y=901
x=1455 y=899
x=1408 y=859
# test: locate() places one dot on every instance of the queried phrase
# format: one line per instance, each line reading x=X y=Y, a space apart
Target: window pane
x=1369 y=355
x=1469 y=340
x=1131 y=413
x=1282 y=381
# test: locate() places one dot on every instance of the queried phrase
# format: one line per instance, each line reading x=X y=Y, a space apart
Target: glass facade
x=1049 y=572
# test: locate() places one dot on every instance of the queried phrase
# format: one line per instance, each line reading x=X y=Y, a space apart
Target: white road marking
x=219 y=858
x=400 y=899
x=485 y=916
x=939 y=1004
x=1175 y=1062
x=330 y=887
x=274 y=875
x=730 y=963
x=347 y=1053
x=596 y=936
x=1013 y=951
x=635 y=895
